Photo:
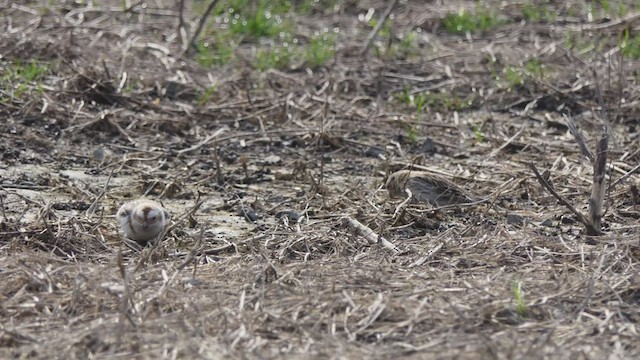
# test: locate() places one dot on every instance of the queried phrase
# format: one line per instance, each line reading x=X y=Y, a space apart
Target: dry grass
x=262 y=173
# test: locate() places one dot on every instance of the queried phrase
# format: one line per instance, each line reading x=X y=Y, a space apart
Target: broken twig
x=377 y=28
x=591 y=229
x=370 y=235
x=203 y=20
x=597 y=191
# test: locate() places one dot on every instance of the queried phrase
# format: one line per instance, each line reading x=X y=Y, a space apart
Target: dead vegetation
x=285 y=242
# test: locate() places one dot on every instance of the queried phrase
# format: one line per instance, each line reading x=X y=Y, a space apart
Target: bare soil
x=263 y=177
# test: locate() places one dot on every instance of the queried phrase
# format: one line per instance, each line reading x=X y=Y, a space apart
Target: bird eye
x=153 y=217
x=125 y=213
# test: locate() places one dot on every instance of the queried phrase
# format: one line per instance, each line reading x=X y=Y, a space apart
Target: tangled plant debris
x=270 y=129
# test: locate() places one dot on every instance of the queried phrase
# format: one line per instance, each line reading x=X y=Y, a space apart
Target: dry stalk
x=187 y=261
x=626 y=175
x=578 y=136
x=203 y=20
x=400 y=208
x=427 y=256
x=4 y=214
x=193 y=252
x=219 y=178
x=598 y=187
x=377 y=28
x=591 y=229
x=148 y=251
x=270 y=270
x=94 y=205
x=188 y=213
x=127 y=299
x=370 y=235
x=181 y=31
x=509 y=141
x=593 y=223
x=220 y=249
x=203 y=142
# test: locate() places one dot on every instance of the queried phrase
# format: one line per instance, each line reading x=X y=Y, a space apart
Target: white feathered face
x=142 y=221
x=147 y=216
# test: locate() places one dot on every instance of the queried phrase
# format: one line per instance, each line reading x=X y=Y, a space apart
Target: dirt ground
x=265 y=168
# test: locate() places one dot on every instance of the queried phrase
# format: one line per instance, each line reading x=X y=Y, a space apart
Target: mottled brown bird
x=426 y=188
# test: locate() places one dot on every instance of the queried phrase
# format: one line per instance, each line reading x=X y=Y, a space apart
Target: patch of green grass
x=629 y=46
x=21 y=78
x=279 y=6
x=408 y=42
x=493 y=67
x=131 y=86
x=383 y=49
x=306 y=6
x=477 y=131
x=533 y=12
x=438 y=101
x=278 y=57
x=521 y=307
x=535 y=68
x=480 y=20
x=606 y=8
x=573 y=10
x=263 y=20
x=30 y=71
x=390 y=48
x=206 y=94
x=448 y=102
x=576 y=42
x=220 y=52
x=397 y=50
x=605 y=5
x=249 y=20
x=623 y=10
x=385 y=30
x=405 y=96
x=321 y=48
x=515 y=76
x=420 y=101
x=412 y=134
